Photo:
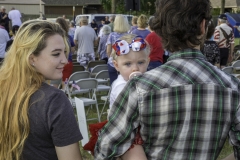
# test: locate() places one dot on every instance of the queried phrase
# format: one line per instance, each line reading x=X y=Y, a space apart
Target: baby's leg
x=134 y=153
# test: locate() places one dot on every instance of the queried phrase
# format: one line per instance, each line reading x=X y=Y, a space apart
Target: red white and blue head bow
x=122 y=47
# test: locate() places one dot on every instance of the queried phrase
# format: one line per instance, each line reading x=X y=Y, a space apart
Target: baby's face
x=132 y=62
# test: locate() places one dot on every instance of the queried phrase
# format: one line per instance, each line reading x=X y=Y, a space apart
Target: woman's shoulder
x=48 y=93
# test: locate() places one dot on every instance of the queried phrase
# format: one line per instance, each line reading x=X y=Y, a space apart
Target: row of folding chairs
x=93 y=71
x=82 y=83
x=91 y=64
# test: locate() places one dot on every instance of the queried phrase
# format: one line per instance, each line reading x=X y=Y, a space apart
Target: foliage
x=147 y=7
x=215 y=11
x=106 y=4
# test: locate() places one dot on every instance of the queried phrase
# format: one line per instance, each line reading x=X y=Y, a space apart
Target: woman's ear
x=32 y=59
x=116 y=65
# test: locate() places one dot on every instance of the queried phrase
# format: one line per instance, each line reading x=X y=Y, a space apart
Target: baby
x=130 y=58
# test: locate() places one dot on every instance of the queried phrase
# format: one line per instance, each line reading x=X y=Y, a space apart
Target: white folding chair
x=106 y=101
x=75 y=77
x=97 y=69
x=82 y=121
x=86 y=86
x=103 y=80
x=102 y=77
x=56 y=83
x=236 y=65
x=228 y=69
x=92 y=64
x=78 y=67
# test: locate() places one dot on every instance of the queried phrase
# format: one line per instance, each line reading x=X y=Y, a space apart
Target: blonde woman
x=142 y=24
x=121 y=28
x=37 y=120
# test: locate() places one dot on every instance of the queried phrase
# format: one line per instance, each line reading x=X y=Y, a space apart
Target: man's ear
x=203 y=27
x=116 y=65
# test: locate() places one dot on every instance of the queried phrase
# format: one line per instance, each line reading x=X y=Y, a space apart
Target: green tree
x=147 y=7
x=106 y=5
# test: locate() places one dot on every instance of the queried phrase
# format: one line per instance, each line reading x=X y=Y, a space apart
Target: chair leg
x=99 y=118
x=105 y=103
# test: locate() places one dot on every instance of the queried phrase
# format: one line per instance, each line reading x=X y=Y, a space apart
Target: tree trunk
x=113 y=6
x=222 y=6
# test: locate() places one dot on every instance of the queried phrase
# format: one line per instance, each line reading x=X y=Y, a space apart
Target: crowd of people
x=184 y=108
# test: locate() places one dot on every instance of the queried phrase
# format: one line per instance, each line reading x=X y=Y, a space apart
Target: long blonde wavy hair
x=18 y=81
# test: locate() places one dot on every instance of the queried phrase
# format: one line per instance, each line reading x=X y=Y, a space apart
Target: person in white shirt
x=15 y=16
x=224 y=37
x=4 y=37
x=85 y=38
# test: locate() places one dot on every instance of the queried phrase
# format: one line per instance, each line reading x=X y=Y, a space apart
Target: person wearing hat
x=85 y=38
x=4 y=16
x=224 y=37
x=94 y=25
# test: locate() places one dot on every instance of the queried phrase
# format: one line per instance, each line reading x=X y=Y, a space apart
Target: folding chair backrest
x=99 y=68
x=77 y=68
x=92 y=64
x=102 y=75
x=89 y=83
x=228 y=69
x=79 y=75
x=76 y=63
x=74 y=56
x=236 y=64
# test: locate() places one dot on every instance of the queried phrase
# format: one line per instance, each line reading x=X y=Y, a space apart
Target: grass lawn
x=227 y=149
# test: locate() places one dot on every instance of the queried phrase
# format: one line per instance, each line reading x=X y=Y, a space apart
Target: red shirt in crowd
x=157 y=51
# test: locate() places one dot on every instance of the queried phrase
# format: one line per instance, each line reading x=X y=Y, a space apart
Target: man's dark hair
x=15 y=29
x=178 y=22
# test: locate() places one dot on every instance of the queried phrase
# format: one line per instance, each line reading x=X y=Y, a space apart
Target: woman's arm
x=109 y=50
x=70 y=152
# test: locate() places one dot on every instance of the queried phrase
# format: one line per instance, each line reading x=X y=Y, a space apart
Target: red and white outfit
x=222 y=42
x=219 y=37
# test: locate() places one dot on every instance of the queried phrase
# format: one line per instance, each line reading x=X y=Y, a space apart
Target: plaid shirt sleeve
x=118 y=134
x=234 y=135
